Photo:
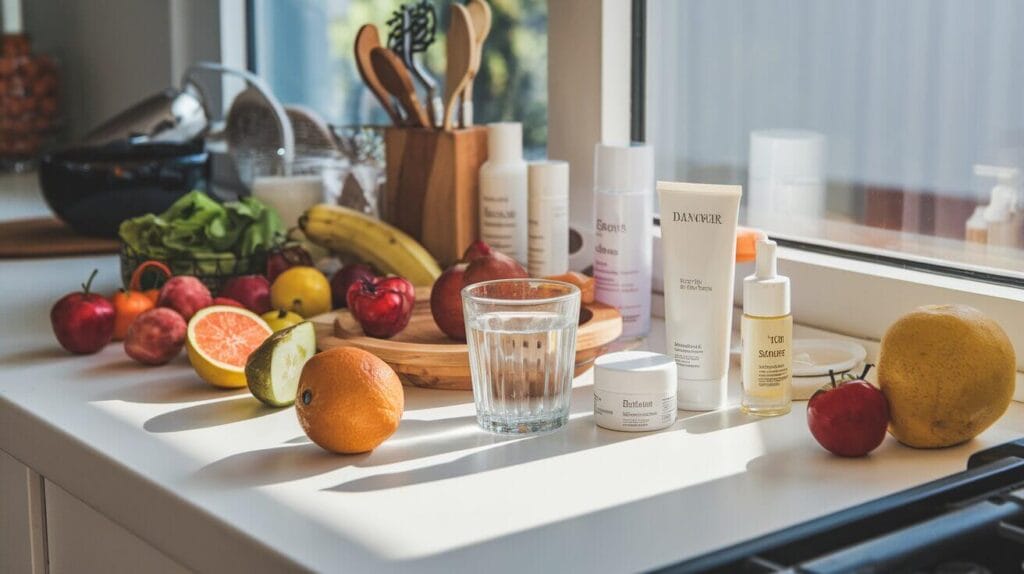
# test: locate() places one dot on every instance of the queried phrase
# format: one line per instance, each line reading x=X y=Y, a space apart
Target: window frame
x=595 y=51
x=836 y=290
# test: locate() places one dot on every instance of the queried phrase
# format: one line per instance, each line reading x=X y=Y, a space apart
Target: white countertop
x=220 y=483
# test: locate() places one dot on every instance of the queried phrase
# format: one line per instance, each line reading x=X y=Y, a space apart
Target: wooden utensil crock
x=432 y=187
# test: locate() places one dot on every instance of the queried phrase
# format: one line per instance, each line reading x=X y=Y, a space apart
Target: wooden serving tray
x=423 y=356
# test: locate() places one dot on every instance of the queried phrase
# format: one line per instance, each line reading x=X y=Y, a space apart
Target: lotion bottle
x=503 y=192
x=623 y=228
x=767 y=337
x=549 y=218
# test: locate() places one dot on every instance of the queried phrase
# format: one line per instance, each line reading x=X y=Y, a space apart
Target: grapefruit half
x=219 y=341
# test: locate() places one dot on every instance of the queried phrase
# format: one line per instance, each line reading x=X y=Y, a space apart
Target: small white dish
x=814 y=358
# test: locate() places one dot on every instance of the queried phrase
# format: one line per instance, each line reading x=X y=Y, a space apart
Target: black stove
x=971 y=522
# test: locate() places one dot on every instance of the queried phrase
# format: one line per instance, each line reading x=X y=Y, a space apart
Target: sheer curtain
x=909 y=94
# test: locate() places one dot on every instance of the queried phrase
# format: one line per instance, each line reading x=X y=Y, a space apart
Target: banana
x=383 y=246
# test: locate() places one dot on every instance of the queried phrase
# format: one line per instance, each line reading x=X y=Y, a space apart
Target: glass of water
x=522 y=352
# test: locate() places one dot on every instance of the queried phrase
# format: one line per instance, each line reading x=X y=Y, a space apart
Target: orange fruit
x=219 y=341
x=349 y=400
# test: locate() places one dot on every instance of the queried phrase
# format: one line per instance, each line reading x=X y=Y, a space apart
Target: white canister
x=549 y=218
x=787 y=173
x=634 y=391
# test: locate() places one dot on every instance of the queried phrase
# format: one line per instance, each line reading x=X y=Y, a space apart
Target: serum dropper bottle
x=767 y=337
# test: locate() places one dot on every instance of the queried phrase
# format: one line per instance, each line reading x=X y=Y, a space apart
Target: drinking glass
x=522 y=352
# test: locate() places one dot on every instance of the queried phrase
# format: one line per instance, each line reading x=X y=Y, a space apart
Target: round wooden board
x=425 y=357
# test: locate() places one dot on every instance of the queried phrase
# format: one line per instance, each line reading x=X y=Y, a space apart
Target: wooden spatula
x=367 y=39
x=480 y=17
x=394 y=76
x=461 y=48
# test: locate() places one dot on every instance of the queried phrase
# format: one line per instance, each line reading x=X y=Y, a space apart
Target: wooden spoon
x=367 y=39
x=480 y=16
x=396 y=79
x=460 y=50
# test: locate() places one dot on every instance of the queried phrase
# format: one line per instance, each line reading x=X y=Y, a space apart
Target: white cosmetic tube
x=698 y=231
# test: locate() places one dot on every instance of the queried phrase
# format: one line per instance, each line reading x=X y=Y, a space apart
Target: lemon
x=219 y=341
x=304 y=290
x=280 y=320
x=273 y=369
x=948 y=373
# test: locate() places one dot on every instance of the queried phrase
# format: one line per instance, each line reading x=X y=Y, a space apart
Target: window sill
x=860 y=299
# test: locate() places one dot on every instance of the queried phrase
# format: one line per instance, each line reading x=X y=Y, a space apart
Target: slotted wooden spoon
x=367 y=39
x=460 y=49
x=396 y=79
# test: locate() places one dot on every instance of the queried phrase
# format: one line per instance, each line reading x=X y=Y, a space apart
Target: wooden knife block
x=432 y=187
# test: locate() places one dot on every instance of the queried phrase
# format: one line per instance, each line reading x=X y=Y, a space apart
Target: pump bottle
x=1003 y=213
x=767 y=335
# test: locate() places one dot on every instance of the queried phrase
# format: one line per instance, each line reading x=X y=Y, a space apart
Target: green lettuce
x=198 y=227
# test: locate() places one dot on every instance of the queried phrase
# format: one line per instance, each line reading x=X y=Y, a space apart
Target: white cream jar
x=634 y=391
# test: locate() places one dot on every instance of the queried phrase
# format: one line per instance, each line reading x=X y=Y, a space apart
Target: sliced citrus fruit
x=219 y=341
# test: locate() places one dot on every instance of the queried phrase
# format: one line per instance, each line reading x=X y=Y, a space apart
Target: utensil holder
x=432 y=187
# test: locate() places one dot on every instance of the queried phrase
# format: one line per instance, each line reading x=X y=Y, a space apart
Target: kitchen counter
x=211 y=480
x=214 y=481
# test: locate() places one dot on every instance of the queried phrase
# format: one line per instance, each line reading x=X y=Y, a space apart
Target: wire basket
x=213 y=271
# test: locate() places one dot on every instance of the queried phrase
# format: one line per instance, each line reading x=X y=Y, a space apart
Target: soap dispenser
x=1003 y=215
x=767 y=337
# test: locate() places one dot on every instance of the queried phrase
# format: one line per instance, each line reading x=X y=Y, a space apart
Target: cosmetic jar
x=634 y=391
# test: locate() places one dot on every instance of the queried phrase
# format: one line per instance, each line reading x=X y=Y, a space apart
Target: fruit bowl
x=423 y=356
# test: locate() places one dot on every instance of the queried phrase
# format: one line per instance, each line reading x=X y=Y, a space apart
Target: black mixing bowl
x=94 y=189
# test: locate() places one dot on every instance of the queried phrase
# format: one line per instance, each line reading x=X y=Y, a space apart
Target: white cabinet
x=79 y=539
x=22 y=530
x=43 y=529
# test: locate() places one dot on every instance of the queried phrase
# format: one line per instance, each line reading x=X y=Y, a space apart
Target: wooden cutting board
x=49 y=237
x=425 y=357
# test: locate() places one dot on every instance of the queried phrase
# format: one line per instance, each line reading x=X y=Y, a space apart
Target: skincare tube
x=698 y=230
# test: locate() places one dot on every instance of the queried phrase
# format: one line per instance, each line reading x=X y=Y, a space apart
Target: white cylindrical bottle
x=623 y=221
x=767 y=337
x=549 y=218
x=503 y=192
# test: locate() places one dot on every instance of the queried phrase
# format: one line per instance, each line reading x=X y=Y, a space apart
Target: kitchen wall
x=114 y=53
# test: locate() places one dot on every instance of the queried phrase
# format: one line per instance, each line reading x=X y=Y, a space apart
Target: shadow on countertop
x=210 y=414
x=299 y=458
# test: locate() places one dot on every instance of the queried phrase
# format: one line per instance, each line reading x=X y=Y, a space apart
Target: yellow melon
x=948 y=373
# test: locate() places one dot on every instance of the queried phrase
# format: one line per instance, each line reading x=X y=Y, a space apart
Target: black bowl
x=94 y=189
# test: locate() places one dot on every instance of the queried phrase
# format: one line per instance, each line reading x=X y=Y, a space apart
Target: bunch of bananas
x=387 y=248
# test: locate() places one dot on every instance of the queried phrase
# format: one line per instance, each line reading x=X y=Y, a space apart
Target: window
x=303 y=48
x=870 y=127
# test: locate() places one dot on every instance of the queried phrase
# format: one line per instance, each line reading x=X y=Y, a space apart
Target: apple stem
x=867 y=367
x=88 y=283
x=832 y=376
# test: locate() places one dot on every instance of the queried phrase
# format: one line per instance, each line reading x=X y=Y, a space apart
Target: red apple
x=849 y=418
x=486 y=264
x=479 y=263
x=155 y=336
x=344 y=278
x=284 y=258
x=83 y=322
x=381 y=305
x=185 y=294
x=227 y=301
x=444 y=295
x=252 y=291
